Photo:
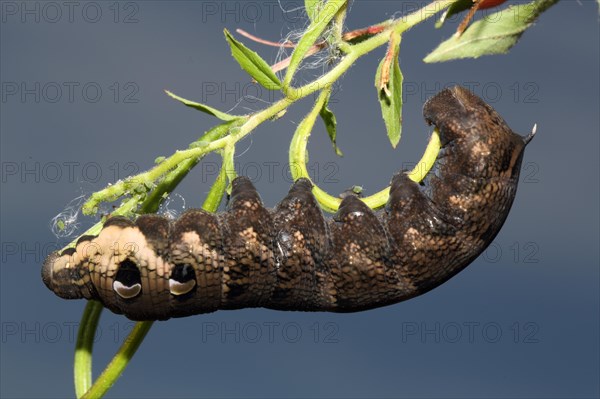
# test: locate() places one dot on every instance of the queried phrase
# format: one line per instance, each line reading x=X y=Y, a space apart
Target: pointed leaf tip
x=328 y=118
x=202 y=107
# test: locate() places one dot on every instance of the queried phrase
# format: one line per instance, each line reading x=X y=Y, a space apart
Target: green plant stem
x=338 y=30
x=126 y=208
x=82 y=366
x=298 y=156
x=119 y=361
x=168 y=184
x=229 y=165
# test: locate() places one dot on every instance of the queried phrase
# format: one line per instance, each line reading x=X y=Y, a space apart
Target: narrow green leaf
x=312 y=8
x=495 y=34
x=252 y=63
x=389 y=92
x=204 y=108
x=310 y=36
x=330 y=122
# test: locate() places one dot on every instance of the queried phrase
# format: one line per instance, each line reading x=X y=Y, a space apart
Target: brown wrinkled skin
x=292 y=257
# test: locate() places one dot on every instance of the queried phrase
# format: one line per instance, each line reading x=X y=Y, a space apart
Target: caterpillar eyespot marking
x=294 y=258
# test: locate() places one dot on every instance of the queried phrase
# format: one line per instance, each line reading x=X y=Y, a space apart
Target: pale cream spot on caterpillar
x=191 y=240
x=457 y=201
x=248 y=234
x=177 y=288
x=480 y=149
x=250 y=205
x=414 y=237
x=126 y=292
x=183 y=279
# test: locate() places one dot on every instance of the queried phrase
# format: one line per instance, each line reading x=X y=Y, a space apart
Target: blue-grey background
x=521 y=321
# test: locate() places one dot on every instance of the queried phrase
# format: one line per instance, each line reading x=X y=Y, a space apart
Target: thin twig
x=257 y=39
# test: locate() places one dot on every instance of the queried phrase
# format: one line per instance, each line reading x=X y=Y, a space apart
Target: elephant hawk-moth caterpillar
x=292 y=257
